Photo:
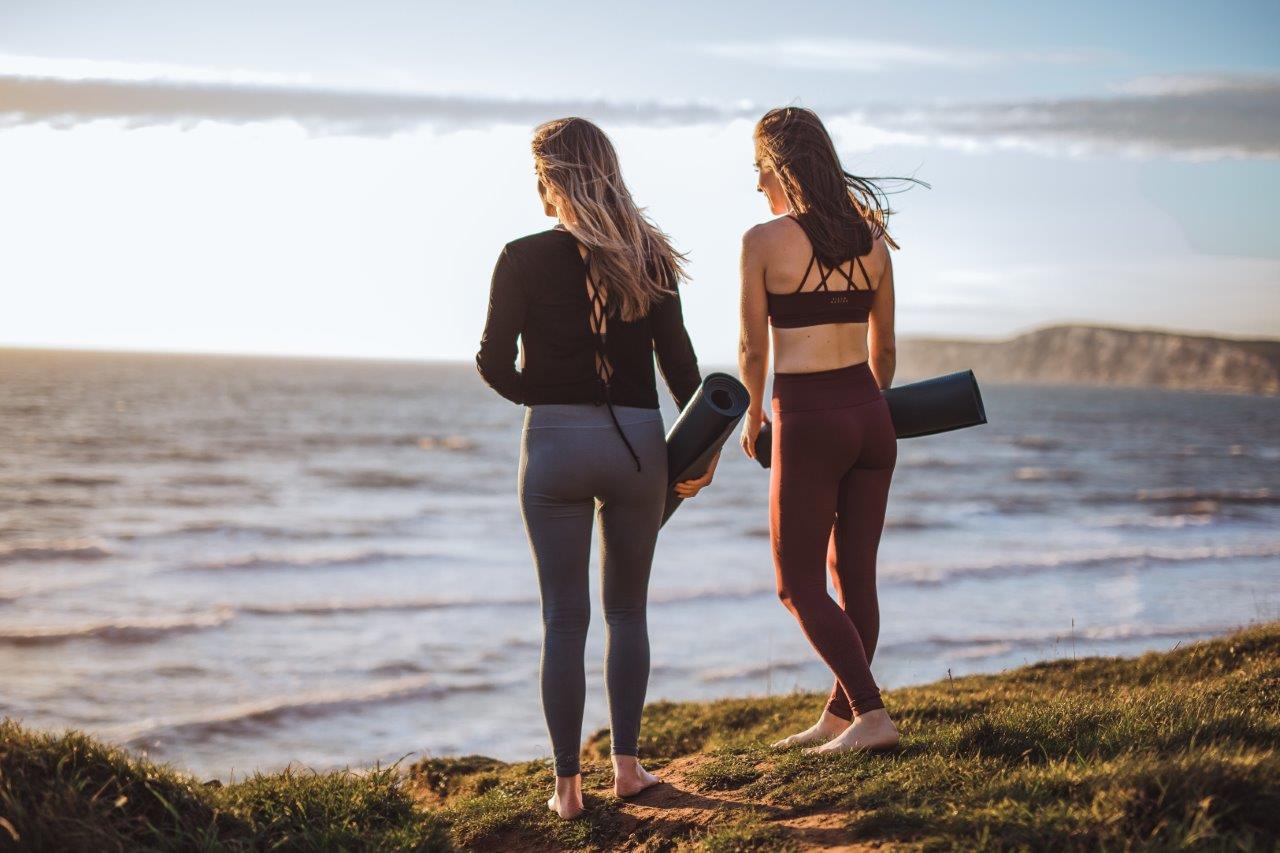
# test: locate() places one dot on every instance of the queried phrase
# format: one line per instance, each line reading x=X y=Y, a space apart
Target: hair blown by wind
x=839 y=211
x=631 y=259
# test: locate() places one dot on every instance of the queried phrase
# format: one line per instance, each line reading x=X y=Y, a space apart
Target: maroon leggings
x=833 y=455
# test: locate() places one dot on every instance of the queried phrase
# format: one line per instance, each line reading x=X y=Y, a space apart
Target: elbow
x=488 y=371
x=750 y=356
x=884 y=348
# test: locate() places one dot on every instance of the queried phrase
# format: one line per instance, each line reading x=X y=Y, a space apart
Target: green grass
x=1168 y=751
x=69 y=792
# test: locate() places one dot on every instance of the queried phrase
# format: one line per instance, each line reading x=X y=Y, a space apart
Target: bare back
x=786 y=256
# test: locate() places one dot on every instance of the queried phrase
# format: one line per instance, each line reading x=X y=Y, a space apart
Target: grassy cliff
x=1097 y=355
x=1174 y=750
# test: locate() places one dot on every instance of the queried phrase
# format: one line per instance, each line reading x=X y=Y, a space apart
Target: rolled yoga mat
x=701 y=430
x=927 y=407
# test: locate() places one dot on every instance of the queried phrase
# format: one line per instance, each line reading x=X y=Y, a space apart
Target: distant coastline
x=1071 y=354
x=1104 y=356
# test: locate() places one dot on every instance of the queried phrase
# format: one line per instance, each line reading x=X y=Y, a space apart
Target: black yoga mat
x=927 y=407
x=701 y=430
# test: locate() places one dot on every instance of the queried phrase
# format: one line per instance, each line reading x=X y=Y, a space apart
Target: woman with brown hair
x=590 y=301
x=821 y=276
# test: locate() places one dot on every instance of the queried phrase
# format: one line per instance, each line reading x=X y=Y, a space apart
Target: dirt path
x=678 y=804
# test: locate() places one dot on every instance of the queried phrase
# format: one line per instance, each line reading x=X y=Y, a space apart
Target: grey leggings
x=573 y=465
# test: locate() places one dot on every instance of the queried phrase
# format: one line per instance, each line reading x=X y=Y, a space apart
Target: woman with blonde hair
x=591 y=301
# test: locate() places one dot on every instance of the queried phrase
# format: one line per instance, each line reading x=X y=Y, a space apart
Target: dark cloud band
x=1204 y=117
x=62 y=102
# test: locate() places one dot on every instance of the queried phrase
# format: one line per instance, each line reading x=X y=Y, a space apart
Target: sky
x=338 y=178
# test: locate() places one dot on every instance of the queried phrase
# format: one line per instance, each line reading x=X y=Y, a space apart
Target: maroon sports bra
x=822 y=305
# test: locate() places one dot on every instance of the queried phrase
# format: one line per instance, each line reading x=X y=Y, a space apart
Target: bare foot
x=629 y=778
x=871 y=731
x=567 y=800
x=827 y=727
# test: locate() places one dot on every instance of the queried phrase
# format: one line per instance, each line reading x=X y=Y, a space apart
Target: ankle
x=569 y=786
x=625 y=764
x=878 y=717
x=829 y=722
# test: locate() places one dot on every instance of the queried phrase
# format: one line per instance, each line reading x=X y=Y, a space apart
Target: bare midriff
x=813 y=348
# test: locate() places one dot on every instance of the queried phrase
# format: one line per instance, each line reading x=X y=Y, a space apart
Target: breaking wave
x=255 y=562
x=926 y=574
x=139 y=630
x=246 y=716
x=68 y=549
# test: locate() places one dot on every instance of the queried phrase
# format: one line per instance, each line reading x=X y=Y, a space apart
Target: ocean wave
x=931 y=574
x=1189 y=494
x=374 y=479
x=685 y=596
x=912 y=523
x=1223 y=496
x=58 y=501
x=342 y=441
x=81 y=481
x=1171 y=520
x=1046 y=475
x=335 y=530
x=1006 y=503
x=993 y=645
x=265 y=562
x=1231 y=451
x=197 y=480
x=1035 y=442
x=756 y=671
x=43 y=550
x=140 y=630
x=319 y=529
x=1019 y=504
x=398 y=668
x=927 y=462
x=275 y=711
x=454 y=443
x=186 y=454
x=389 y=605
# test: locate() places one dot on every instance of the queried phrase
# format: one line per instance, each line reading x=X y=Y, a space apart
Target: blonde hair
x=631 y=259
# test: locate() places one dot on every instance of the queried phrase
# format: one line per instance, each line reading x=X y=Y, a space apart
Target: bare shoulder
x=770 y=233
x=879 y=247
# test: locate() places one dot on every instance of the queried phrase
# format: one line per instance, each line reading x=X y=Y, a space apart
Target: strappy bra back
x=822 y=305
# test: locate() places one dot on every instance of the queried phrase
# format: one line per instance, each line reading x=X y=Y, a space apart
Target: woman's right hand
x=751 y=431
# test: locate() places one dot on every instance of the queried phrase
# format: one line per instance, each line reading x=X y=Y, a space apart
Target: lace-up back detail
x=599 y=320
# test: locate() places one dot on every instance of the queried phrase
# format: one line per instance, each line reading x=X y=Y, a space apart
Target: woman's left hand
x=689 y=488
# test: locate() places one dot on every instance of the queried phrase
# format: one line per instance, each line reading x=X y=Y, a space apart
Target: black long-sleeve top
x=539 y=296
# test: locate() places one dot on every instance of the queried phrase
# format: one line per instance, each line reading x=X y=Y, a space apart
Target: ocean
x=234 y=564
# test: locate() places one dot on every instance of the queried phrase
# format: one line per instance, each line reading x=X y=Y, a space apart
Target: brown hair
x=632 y=261
x=840 y=212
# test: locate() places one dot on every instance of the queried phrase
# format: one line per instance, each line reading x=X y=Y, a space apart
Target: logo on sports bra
x=839 y=300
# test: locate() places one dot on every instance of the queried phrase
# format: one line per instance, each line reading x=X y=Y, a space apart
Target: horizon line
x=91 y=349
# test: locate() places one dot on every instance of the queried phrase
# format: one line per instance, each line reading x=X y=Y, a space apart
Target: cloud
x=1195 y=117
x=63 y=102
x=1202 y=117
x=873 y=56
